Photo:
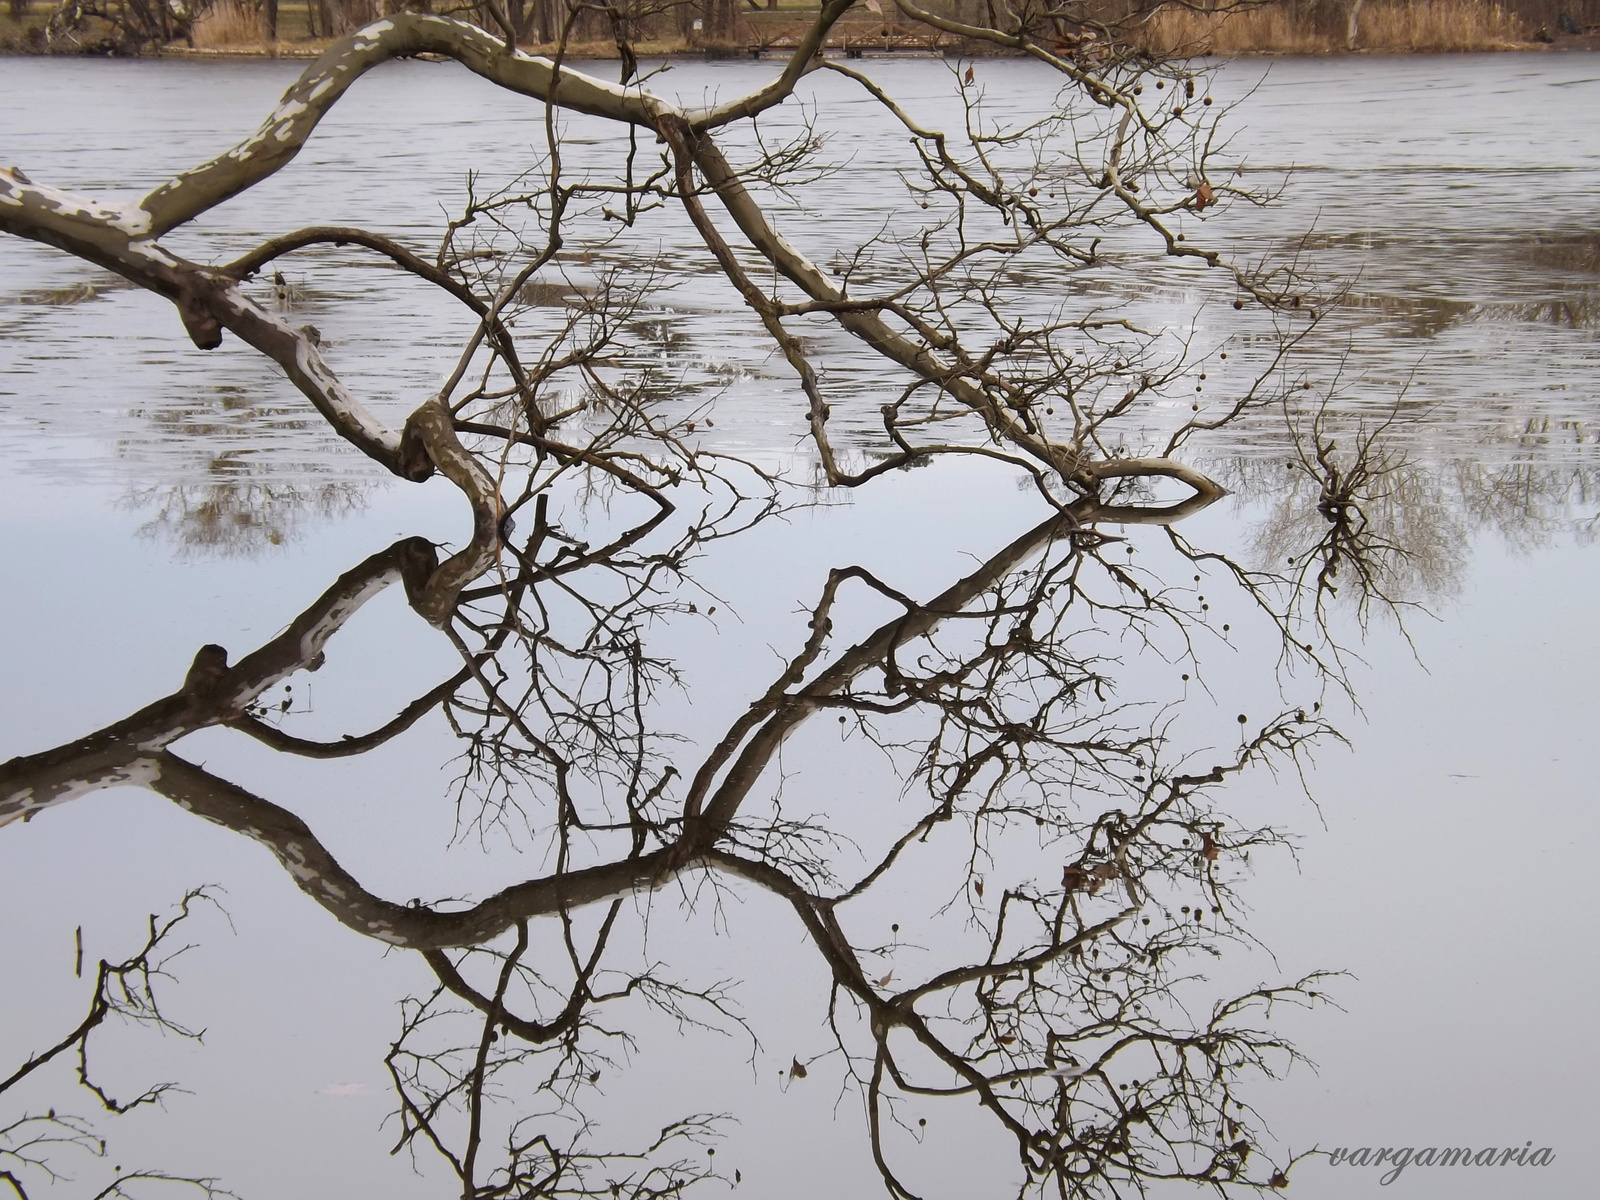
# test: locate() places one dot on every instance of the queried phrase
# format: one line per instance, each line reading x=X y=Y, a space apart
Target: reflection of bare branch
x=987 y=696
x=125 y=990
x=1076 y=994
x=239 y=515
x=1366 y=520
x=444 y=1089
x=212 y=694
x=27 y=1145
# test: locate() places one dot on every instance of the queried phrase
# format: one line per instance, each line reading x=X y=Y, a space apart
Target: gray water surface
x=158 y=499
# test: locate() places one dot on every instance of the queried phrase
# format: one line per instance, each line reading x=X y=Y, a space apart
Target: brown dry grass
x=1413 y=25
x=1440 y=25
x=1183 y=31
x=227 y=23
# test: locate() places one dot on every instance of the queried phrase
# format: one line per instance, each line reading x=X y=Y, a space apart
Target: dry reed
x=1440 y=25
x=227 y=23
x=1413 y=25
x=1183 y=31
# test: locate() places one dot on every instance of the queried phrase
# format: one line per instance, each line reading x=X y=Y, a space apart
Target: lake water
x=158 y=499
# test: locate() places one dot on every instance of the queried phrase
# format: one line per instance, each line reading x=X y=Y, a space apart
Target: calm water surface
x=157 y=499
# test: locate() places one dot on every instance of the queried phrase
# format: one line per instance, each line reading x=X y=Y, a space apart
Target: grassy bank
x=1288 y=27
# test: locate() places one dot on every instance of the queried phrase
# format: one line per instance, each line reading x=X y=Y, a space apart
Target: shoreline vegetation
x=214 y=29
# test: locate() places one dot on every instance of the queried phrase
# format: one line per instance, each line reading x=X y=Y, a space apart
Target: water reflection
x=1048 y=831
x=77 y=293
x=1351 y=517
x=226 y=498
x=1529 y=504
x=1022 y=843
x=239 y=515
x=1364 y=496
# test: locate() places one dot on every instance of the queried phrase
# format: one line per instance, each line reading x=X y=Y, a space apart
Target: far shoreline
x=234 y=31
x=606 y=51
